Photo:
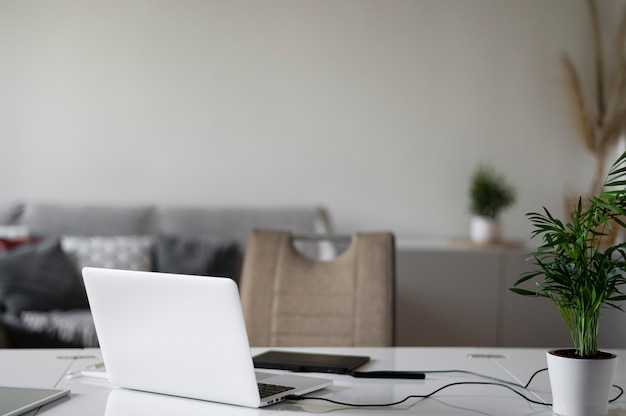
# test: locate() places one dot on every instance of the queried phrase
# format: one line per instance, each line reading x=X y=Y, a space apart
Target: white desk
x=46 y=368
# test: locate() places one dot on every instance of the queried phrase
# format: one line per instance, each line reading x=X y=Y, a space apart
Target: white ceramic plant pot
x=580 y=387
x=485 y=230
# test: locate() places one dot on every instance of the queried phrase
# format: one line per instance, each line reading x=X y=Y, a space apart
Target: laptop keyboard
x=267 y=390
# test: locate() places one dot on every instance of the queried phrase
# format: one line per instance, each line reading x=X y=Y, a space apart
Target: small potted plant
x=490 y=194
x=581 y=275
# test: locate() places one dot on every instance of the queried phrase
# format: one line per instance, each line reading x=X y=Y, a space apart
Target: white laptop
x=180 y=335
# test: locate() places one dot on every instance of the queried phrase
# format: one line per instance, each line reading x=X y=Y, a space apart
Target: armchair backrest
x=290 y=299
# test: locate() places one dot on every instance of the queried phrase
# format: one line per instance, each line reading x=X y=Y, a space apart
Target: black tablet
x=309 y=362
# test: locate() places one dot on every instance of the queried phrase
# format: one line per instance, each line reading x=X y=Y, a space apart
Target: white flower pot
x=485 y=230
x=580 y=387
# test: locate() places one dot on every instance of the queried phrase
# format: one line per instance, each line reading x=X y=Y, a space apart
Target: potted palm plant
x=490 y=194
x=581 y=275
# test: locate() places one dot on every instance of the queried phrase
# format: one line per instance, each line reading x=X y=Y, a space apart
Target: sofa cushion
x=112 y=252
x=98 y=220
x=234 y=224
x=11 y=243
x=12 y=236
x=39 y=277
x=204 y=256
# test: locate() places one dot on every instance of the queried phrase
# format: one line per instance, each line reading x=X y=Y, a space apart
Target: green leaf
x=524 y=292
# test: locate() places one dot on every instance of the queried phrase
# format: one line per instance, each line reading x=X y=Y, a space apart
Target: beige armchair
x=290 y=299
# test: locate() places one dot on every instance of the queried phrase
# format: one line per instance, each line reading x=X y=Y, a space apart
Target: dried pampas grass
x=603 y=120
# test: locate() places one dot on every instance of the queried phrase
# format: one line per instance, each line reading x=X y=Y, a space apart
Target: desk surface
x=47 y=368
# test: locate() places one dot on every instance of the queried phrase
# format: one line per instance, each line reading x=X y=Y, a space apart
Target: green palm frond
x=577 y=272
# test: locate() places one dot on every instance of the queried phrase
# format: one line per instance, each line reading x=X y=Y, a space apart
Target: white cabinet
x=454 y=295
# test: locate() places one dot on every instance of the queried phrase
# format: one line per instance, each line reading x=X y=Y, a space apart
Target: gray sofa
x=42 y=300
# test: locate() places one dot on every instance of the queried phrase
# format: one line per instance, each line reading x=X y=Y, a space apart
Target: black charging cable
x=410 y=375
x=512 y=386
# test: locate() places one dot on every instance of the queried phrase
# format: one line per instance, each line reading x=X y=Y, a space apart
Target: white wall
x=377 y=109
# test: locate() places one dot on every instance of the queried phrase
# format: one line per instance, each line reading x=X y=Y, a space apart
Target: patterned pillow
x=115 y=252
x=14 y=232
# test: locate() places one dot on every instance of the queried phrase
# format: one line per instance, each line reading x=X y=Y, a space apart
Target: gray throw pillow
x=39 y=277
x=203 y=256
